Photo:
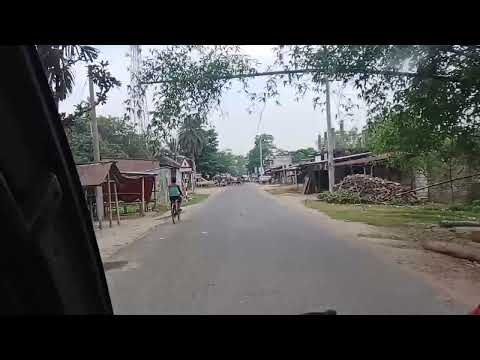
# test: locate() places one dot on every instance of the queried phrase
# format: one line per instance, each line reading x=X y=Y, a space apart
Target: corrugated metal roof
x=135 y=165
x=363 y=160
x=336 y=160
x=93 y=174
x=166 y=161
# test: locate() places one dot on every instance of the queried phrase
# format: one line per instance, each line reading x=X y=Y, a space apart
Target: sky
x=293 y=124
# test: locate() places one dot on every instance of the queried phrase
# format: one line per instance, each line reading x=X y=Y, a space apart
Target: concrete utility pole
x=261 y=157
x=96 y=146
x=260 y=171
x=331 y=164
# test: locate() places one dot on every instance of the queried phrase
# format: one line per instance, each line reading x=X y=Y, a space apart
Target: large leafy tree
x=212 y=162
x=268 y=149
x=303 y=154
x=208 y=161
x=239 y=165
x=435 y=89
x=186 y=81
x=118 y=139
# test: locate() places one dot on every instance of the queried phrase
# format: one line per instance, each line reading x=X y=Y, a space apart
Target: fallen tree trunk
x=456 y=250
x=453 y=223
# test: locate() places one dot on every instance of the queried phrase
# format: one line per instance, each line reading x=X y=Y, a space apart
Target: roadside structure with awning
x=164 y=169
x=315 y=173
x=125 y=188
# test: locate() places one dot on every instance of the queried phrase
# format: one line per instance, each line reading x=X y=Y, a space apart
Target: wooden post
x=155 y=192
x=91 y=209
x=165 y=189
x=116 y=202
x=109 y=200
x=371 y=170
x=99 y=205
x=364 y=170
x=143 y=196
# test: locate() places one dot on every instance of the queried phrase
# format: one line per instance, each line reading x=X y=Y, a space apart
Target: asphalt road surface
x=243 y=253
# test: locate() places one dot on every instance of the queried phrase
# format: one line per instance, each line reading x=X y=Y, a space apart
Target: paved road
x=228 y=257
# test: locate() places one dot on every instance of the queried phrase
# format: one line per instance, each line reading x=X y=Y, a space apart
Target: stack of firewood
x=375 y=190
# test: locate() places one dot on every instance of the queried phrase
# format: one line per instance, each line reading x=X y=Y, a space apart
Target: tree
x=208 y=161
x=187 y=82
x=350 y=140
x=239 y=165
x=58 y=62
x=230 y=163
x=267 y=151
x=212 y=162
x=79 y=137
x=191 y=137
x=416 y=146
x=435 y=86
x=120 y=139
x=303 y=154
x=117 y=139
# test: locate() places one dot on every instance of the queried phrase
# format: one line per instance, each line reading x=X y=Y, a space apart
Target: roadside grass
x=131 y=209
x=390 y=215
x=162 y=208
x=195 y=199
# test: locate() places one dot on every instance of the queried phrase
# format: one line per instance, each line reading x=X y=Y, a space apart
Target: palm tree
x=191 y=137
x=169 y=148
x=58 y=62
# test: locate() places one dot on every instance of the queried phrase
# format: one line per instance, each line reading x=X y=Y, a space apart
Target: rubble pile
x=375 y=190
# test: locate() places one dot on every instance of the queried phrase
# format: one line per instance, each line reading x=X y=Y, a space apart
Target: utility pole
x=96 y=146
x=260 y=171
x=261 y=157
x=331 y=164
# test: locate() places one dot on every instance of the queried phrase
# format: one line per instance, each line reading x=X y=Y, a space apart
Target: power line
x=320 y=71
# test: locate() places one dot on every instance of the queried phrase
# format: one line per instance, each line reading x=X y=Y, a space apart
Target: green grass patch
x=195 y=199
x=389 y=215
x=128 y=210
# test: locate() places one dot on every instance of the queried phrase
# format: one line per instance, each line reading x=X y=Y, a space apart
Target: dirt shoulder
x=111 y=240
x=458 y=279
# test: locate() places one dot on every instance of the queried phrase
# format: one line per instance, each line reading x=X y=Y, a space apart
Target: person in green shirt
x=175 y=193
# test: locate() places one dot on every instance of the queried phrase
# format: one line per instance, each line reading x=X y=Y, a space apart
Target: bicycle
x=175 y=210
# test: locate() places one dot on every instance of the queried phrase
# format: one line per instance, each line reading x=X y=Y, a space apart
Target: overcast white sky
x=293 y=124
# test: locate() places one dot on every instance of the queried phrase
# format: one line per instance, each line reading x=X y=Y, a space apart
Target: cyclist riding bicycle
x=175 y=193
